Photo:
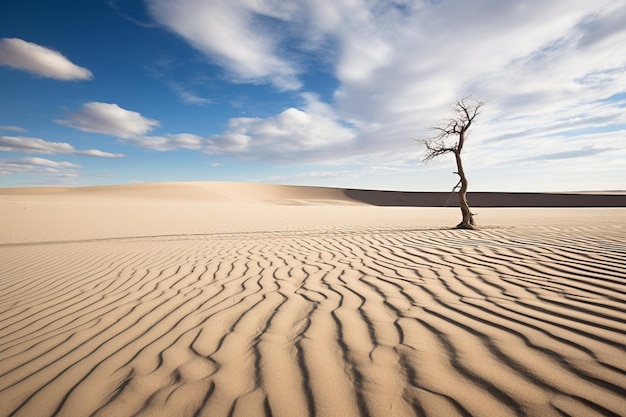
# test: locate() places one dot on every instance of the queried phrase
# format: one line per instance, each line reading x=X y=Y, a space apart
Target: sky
x=312 y=92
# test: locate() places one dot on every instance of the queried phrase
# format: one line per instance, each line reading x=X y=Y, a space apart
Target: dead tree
x=450 y=138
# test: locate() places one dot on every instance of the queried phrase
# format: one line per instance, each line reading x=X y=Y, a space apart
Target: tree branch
x=465 y=111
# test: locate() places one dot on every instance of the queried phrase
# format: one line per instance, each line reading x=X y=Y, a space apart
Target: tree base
x=466 y=226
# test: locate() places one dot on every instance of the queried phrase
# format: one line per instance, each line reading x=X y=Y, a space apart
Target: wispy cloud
x=122 y=8
x=99 y=154
x=39 y=60
x=17 y=129
x=569 y=154
x=237 y=34
x=188 y=96
x=40 y=146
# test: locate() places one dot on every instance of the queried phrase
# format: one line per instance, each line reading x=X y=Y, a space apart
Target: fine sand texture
x=217 y=299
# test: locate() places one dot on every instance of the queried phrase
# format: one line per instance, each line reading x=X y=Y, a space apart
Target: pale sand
x=248 y=300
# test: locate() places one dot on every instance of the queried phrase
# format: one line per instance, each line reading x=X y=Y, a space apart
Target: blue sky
x=311 y=92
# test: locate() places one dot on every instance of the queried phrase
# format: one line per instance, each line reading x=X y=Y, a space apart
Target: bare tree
x=450 y=138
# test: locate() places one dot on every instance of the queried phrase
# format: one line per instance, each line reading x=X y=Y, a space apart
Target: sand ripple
x=497 y=322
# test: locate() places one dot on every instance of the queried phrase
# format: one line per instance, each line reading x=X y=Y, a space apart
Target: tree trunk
x=468 y=217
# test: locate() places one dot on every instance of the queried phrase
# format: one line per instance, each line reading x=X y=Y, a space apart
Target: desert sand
x=217 y=299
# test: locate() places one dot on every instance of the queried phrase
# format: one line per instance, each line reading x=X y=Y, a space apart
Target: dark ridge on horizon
x=485 y=199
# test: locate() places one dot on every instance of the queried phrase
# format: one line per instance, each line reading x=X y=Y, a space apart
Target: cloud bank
x=399 y=65
x=314 y=130
x=39 y=60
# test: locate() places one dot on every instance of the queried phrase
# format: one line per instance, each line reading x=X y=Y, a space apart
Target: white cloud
x=39 y=60
x=265 y=40
x=309 y=133
x=232 y=33
x=38 y=166
x=501 y=51
x=131 y=126
x=33 y=145
x=169 y=142
x=99 y=154
x=357 y=30
x=109 y=119
x=48 y=163
x=40 y=146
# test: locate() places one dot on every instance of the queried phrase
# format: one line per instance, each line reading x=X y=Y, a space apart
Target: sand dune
x=205 y=300
x=299 y=195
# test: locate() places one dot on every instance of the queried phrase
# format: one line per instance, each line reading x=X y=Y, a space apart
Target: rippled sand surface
x=200 y=308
